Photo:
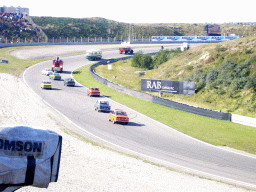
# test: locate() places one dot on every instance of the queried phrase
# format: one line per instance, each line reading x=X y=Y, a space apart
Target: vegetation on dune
x=224 y=74
x=99 y=27
x=146 y=61
x=216 y=132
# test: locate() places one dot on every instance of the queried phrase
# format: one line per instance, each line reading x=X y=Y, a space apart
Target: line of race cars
x=115 y=116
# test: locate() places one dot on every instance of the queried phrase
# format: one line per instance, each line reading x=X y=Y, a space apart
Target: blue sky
x=132 y=11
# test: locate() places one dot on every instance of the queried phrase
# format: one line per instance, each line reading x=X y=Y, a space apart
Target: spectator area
x=14 y=26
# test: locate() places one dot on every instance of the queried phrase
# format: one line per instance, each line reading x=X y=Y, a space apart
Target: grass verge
x=216 y=132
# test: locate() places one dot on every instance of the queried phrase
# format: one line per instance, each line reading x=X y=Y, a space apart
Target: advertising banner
x=175 y=87
x=192 y=38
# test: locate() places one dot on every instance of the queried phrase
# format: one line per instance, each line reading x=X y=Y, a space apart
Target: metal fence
x=165 y=102
x=6 y=40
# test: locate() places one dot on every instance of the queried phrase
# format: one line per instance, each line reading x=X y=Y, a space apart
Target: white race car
x=46 y=71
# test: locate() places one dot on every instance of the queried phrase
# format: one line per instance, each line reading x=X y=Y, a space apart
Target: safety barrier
x=243 y=120
x=168 y=103
x=2 y=45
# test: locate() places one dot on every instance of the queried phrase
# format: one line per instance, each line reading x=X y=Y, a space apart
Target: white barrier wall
x=243 y=120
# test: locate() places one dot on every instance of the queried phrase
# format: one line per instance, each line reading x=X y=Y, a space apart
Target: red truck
x=57 y=65
x=125 y=50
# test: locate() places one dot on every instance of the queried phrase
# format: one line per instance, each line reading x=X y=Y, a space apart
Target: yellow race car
x=46 y=85
x=118 y=116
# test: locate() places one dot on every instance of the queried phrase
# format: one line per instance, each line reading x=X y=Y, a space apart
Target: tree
x=146 y=61
x=136 y=60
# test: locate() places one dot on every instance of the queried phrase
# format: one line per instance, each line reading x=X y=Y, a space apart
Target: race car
x=46 y=84
x=102 y=105
x=55 y=76
x=119 y=116
x=69 y=82
x=46 y=71
x=93 y=91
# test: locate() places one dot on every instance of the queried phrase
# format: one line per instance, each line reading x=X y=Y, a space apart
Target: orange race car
x=119 y=116
x=93 y=91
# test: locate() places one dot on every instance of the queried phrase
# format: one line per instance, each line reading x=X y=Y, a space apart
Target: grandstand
x=16 y=26
x=18 y=10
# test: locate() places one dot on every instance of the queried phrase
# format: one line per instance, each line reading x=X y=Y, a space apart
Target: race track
x=142 y=135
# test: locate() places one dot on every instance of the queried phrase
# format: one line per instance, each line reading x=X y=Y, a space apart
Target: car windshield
x=95 y=89
x=46 y=82
x=56 y=74
x=104 y=102
x=120 y=113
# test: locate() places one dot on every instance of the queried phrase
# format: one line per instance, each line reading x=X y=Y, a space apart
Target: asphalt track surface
x=142 y=135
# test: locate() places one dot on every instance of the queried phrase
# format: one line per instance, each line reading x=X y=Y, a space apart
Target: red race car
x=93 y=91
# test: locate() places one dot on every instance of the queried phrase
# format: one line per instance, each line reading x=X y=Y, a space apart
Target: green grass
x=220 y=133
x=180 y=67
x=15 y=66
x=216 y=132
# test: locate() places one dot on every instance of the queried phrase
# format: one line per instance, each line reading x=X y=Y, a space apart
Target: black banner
x=175 y=87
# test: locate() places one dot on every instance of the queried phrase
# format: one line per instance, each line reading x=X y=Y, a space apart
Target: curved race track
x=142 y=135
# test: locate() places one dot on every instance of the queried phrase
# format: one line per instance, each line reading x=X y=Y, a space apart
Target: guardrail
x=25 y=43
x=165 y=102
x=144 y=96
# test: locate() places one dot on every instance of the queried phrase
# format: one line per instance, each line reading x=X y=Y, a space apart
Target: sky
x=135 y=11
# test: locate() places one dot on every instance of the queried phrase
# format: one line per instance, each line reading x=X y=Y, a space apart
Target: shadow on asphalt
x=56 y=89
x=66 y=72
x=135 y=124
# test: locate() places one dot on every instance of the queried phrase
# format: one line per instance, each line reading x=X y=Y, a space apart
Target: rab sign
x=175 y=87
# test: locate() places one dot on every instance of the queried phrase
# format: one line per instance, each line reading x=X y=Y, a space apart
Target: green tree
x=136 y=60
x=146 y=61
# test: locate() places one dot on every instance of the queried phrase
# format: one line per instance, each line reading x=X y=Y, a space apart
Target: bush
x=230 y=75
x=136 y=60
x=146 y=61
x=142 y=61
x=211 y=79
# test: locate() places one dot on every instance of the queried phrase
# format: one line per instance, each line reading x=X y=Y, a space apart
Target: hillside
x=99 y=27
x=60 y=27
x=224 y=73
x=15 y=28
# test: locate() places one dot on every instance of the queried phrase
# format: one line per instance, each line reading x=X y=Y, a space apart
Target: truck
x=57 y=65
x=125 y=48
x=95 y=54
